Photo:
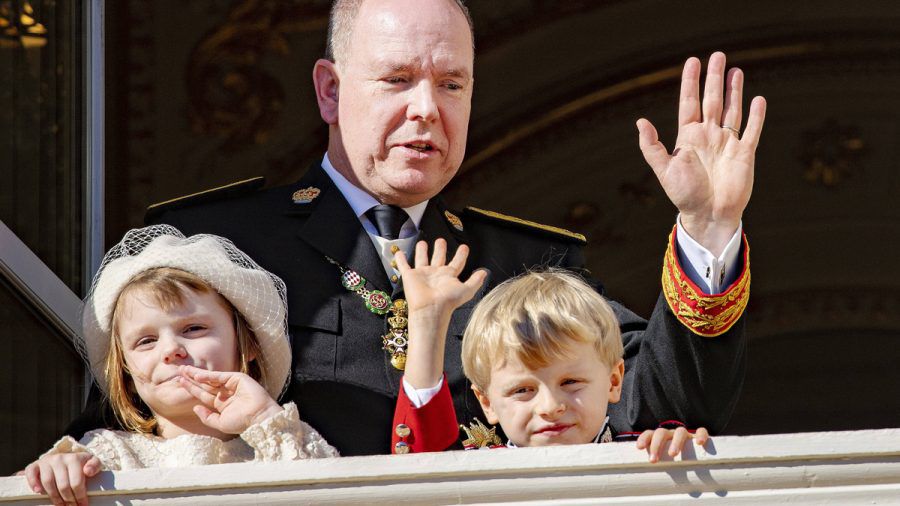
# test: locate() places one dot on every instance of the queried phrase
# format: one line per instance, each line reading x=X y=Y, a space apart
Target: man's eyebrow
x=406 y=68
x=399 y=67
x=458 y=73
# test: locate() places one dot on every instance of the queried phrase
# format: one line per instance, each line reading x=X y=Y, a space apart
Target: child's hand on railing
x=230 y=401
x=63 y=476
x=654 y=440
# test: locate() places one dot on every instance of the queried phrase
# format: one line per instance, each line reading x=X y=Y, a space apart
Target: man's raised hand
x=709 y=174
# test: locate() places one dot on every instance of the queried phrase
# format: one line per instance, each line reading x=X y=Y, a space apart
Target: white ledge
x=811 y=468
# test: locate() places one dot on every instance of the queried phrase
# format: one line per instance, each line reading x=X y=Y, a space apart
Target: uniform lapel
x=329 y=216
x=434 y=224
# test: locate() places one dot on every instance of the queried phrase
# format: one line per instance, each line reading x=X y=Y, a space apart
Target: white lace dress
x=280 y=437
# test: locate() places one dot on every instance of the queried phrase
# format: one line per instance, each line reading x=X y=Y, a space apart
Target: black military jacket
x=343 y=382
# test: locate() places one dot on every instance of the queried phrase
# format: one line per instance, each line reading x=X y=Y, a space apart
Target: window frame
x=29 y=276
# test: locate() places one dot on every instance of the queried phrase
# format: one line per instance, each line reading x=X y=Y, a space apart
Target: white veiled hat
x=258 y=294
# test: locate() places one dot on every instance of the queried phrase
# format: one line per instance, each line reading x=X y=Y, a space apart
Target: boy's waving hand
x=433 y=291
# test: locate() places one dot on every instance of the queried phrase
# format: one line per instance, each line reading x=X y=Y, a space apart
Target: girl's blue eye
x=145 y=340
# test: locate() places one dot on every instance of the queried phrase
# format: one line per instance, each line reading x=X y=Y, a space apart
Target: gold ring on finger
x=735 y=130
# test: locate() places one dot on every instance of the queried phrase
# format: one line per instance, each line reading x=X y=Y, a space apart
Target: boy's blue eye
x=520 y=391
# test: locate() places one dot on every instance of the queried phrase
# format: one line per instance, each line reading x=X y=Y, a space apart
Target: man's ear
x=616 y=376
x=486 y=406
x=327 y=83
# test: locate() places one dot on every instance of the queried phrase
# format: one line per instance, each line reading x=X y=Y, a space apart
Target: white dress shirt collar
x=360 y=202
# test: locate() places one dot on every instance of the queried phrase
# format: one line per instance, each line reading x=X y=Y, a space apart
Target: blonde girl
x=186 y=338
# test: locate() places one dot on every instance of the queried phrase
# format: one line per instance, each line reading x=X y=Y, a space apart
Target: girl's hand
x=62 y=476
x=230 y=401
x=653 y=440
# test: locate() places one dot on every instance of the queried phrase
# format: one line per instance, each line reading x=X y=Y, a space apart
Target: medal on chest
x=378 y=302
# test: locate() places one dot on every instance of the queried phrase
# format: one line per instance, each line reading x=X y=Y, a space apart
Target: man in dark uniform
x=396 y=92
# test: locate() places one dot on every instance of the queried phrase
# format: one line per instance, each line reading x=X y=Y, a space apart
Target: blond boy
x=543 y=352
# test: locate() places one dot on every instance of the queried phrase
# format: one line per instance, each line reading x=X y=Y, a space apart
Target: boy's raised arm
x=433 y=291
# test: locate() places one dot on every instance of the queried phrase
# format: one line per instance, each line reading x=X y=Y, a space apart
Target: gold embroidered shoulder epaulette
x=704 y=314
x=213 y=194
x=525 y=224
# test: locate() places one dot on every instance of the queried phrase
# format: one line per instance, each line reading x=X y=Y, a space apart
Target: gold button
x=402 y=430
x=394 y=264
x=394 y=278
x=394 y=248
x=401 y=448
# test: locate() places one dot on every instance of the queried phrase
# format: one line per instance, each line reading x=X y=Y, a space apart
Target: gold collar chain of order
x=378 y=302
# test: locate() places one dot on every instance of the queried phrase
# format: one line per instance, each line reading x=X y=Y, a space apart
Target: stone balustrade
x=806 y=468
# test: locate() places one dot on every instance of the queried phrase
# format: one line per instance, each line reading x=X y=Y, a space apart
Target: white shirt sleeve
x=420 y=397
x=710 y=273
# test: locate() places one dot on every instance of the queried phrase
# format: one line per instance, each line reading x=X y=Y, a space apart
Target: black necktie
x=388 y=220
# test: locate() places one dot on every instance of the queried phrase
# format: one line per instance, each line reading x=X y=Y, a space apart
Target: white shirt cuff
x=420 y=397
x=710 y=273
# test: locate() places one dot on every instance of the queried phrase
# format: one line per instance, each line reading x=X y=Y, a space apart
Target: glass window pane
x=41 y=146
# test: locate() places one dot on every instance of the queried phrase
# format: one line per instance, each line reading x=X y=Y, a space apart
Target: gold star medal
x=480 y=436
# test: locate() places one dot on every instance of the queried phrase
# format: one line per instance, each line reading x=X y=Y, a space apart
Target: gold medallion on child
x=306 y=195
x=454 y=220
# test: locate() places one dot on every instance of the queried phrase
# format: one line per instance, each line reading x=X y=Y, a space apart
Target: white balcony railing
x=811 y=468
